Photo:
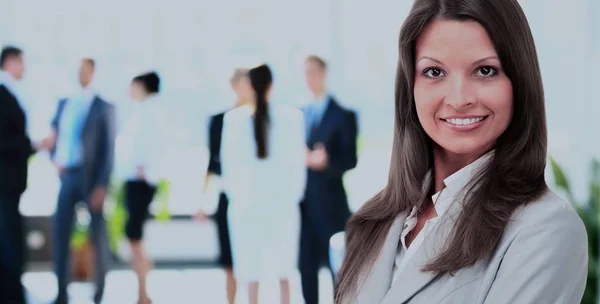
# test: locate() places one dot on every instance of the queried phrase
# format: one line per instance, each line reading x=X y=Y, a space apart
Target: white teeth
x=463 y=122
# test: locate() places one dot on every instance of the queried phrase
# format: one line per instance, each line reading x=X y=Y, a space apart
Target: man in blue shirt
x=84 y=154
x=331 y=151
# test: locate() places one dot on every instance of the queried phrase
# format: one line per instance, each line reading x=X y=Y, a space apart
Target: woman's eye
x=433 y=73
x=486 y=72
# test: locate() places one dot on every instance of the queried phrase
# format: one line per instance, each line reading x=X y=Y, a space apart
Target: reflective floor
x=167 y=286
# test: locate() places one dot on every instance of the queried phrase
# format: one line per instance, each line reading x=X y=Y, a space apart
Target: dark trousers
x=12 y=251
x=314 y=253
x=72 y=190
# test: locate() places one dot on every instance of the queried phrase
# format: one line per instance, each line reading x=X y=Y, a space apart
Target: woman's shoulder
x=550 y=217
x=237 y=114
x=548 y=205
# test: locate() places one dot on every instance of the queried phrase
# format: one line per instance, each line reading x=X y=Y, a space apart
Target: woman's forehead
x=450 y=40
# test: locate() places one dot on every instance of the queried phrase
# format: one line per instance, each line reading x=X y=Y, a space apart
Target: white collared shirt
x=142 y=141
x=452 y=193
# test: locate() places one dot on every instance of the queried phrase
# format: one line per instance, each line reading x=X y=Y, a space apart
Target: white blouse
x=142 y=141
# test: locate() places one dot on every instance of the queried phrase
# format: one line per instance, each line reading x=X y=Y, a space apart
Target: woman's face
x=137 y=91
x=464 y=100
x=243 y=89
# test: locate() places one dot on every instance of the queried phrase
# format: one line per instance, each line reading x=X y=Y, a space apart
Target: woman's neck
x=146 y=97
x=446 y=163
x=240 y=102
x=252 y=106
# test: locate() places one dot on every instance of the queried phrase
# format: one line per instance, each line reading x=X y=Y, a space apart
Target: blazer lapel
x=15 y=98
x=411 y=280
x=378 y=281
x=306 y=111
x=317 y=132
x=92 y=110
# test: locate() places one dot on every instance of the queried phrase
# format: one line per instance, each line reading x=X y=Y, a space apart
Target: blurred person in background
x=142 y=135
x=263 y=168
x=331 y=151
x=243 y=90
x=84 y=128
x=15 y=150
x=467 y=216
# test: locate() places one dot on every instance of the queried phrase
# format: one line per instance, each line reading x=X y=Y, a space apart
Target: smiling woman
x=463 y=97
x=466 y=216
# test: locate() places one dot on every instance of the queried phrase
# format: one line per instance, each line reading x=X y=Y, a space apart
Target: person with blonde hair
x=241 y=86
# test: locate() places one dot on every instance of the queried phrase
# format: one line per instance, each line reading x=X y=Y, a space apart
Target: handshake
x=45 y=144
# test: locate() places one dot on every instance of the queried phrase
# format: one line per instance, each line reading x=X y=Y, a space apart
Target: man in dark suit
x=84 y=126
x=331 y=151
x=15 y=149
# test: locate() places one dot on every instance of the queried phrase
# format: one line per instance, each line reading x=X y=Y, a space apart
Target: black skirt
x=220 y=217
x=138 y=196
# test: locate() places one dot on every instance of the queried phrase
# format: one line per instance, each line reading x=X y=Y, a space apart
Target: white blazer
x=264 y=193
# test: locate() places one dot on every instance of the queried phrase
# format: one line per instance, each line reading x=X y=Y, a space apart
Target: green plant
x=162 y=197
x=117 y=218
x=590 y=214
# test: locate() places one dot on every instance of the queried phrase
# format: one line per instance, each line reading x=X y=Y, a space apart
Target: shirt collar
x=146 y=103
x=151 y=98
x=320 y=104
x=321 y=99
x=87 y=94
x=461 y=178
x=456 y=183
x=8 y=81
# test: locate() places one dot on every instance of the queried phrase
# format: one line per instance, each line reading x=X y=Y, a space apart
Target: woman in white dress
x=264 y=173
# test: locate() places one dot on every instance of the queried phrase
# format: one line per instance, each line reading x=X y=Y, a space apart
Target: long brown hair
x=261 y=80
x=513 y=177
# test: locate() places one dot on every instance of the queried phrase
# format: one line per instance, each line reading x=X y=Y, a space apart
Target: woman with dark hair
x=466 y=216
x=263 y=171
x=142 y=146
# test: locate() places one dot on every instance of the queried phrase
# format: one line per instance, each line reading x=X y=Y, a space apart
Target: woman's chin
x=462 y=147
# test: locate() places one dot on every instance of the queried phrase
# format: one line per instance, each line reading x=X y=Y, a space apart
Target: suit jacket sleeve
x=546 y=263
x=12 y=141
x=347 y=159
x=55 y=121
x=107 y=156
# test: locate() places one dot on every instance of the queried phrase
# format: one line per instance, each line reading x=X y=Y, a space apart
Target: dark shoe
x=61 y=301
x=98 y=298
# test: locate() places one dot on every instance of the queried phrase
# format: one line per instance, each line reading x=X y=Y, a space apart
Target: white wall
x=567 y=45
x=195 y=46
